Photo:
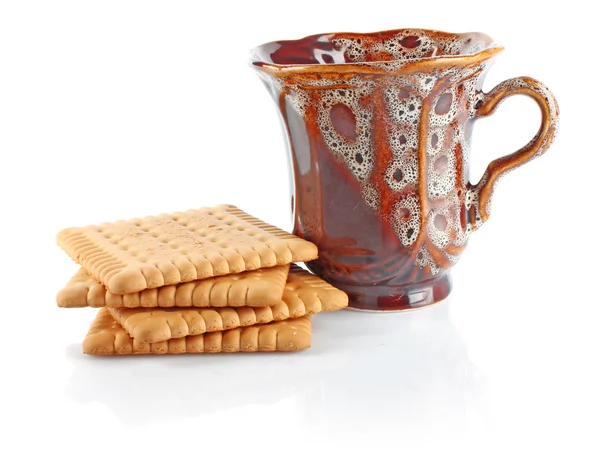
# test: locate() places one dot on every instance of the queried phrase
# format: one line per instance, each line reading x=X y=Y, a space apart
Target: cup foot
x=397 y=298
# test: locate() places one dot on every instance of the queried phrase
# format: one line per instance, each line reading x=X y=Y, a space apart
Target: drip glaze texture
x=379 y=130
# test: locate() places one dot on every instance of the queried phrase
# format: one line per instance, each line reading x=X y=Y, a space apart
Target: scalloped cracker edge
x=262 y=287
x=107 y=337
x=304 y=294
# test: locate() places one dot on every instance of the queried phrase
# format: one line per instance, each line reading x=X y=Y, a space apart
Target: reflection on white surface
x=364 y=370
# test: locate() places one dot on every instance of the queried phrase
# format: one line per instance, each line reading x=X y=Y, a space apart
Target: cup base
x=397 y=298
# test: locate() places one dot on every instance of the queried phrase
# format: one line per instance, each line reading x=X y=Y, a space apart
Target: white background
x=117 y=109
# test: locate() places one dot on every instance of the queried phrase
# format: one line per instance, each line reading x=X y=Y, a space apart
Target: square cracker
x=107 y=337
x=134 y=255
x=304 y=294
x=262 y=287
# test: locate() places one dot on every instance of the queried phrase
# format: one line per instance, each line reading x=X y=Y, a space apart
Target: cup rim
x=489 y=50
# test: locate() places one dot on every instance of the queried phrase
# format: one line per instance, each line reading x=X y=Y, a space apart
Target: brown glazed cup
x=379 y=128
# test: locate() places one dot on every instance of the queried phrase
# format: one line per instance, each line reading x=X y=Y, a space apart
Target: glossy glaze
x=379 y=131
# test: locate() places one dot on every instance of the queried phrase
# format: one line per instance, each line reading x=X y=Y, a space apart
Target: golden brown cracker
x=311 y=293
x=131 y=256
x=107 y=337
x=304 y=294
x=262 y=287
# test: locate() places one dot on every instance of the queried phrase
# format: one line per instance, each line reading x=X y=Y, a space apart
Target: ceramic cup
x=379 y=128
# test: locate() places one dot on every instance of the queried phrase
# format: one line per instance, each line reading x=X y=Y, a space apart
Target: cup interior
x=393 y=45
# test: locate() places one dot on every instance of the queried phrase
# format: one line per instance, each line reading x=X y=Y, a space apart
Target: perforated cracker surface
x=107 y=337
x=262 y=287
x=304 y=294
x=134 y=255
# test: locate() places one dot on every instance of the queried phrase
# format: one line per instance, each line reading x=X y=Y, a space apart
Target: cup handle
x=479 y=196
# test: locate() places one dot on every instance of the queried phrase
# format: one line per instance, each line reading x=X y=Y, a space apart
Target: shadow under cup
x=379 y=128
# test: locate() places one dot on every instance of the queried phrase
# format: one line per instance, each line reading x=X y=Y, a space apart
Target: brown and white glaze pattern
x=379 y=128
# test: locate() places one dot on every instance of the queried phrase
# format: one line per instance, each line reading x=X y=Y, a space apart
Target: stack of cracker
x=206 y=280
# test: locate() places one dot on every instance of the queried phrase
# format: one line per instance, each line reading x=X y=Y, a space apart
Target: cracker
x=134 y=255
x=107 y=337
x=262 y=287
x=304 y=294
